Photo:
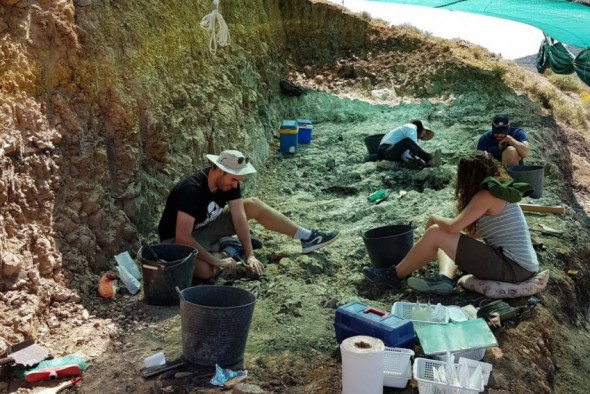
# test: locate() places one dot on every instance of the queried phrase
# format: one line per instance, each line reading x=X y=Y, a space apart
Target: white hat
x=233 y=162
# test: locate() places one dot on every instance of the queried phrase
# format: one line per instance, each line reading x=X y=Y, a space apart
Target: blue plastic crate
x=356 y=318
x=305 y=129
x=289 y=136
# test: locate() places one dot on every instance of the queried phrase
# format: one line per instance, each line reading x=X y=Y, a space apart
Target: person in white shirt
x=401 y=144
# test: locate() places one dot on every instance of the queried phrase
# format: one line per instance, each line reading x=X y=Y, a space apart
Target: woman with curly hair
x=506 y=253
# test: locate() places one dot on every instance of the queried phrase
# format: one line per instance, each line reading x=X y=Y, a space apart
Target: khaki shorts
x=209 y=235
x=487 y=262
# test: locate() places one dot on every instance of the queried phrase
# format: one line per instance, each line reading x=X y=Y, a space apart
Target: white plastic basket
x=397 y=366
x=472 y=354
x=423 y=374
x=398 y=381
x=406 y=310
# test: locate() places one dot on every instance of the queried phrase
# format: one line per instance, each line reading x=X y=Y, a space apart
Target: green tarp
x=565 y=21
x=561 y=21
x=556 y=56
x=582 y=66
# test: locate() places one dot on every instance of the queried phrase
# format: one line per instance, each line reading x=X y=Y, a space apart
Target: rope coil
x=219 y=36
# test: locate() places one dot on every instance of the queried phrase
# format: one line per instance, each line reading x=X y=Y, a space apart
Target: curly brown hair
x=470 y=173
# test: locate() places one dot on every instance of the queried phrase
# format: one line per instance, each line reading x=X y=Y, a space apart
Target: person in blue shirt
x=401 y=145
x=506 y=144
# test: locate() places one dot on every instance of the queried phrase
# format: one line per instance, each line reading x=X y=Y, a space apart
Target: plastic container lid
x=456 y=314
x=289 y=124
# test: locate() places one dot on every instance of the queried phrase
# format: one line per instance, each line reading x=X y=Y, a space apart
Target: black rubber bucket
x=215 y=321
x=533 y=175
x=165 y=267
x=372 y=142
x=388 y=245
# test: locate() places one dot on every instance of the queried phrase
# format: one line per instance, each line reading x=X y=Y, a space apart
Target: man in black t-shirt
x=196 y=215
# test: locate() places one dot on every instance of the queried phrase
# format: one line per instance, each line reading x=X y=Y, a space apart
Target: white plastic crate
x=423 y=374
x=407 y=311
x=397 y=367
x=472 y=354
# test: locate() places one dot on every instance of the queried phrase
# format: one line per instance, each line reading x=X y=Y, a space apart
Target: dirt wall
x=106 y=104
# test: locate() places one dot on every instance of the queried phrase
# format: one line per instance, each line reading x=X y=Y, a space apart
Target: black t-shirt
x=193 y=197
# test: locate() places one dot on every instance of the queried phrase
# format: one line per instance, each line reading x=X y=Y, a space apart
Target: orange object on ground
x=107 y=286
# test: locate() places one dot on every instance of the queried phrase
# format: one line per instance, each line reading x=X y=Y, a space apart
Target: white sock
x=302 y=233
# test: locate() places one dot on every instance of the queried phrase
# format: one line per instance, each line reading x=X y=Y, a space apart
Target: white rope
x=219 y=36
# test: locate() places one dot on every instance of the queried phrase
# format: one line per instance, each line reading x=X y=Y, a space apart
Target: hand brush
x=57 y=368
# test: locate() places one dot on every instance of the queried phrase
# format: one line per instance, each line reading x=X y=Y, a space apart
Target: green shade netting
x=582 y=66
x=560 y=21
x=565 y=21
x=556 y=56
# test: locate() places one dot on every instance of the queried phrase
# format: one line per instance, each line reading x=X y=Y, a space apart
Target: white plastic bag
x=440 y=312
x=125 y=260
x=155 y=360
x=476 y=381
x=451 y=370
x=463 y=373
x=129 y=280
x=128 y=272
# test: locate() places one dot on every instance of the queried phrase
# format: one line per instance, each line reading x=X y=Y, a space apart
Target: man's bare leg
x=268 y=217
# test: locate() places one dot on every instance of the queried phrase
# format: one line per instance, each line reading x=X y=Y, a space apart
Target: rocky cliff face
x=106 y=104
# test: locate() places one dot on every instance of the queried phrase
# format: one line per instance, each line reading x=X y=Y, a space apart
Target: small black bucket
x=372 y=143
x=388 y=245
x=215 y=321
x=165 y=267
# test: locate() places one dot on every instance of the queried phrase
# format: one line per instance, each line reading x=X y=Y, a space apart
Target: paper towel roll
x=362 y=365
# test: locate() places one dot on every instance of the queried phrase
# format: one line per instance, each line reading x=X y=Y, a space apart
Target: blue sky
x=511 y=40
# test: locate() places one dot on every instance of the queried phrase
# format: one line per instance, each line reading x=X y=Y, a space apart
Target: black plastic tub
x=388 y=245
